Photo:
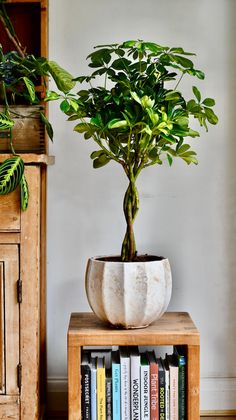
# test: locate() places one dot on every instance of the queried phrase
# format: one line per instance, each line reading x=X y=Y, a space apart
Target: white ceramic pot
x=128 y=294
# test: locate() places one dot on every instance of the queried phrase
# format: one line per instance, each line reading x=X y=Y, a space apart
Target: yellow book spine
x=101 y=394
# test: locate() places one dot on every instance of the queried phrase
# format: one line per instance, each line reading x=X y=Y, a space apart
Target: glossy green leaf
x=48 y=126
x=117 y=124
x=11 y=172
x=30 y=87
x=65 y=106
x=197 y=93
x=209 y=102
x=24 y=193
x=63 y=79
x=5 y=122
x=102 y=160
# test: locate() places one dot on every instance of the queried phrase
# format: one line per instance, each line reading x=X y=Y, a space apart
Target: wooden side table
x=174 y=328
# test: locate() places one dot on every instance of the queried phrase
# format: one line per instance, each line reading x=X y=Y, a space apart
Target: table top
x=173 y=328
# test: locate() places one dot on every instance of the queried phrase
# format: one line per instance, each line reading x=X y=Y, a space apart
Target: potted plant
x=137 y=116
x=20 y=75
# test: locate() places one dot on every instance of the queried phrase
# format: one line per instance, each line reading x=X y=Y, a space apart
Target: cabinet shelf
x=174 y=328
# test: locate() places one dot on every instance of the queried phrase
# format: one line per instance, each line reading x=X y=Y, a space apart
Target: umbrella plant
x=133 y=109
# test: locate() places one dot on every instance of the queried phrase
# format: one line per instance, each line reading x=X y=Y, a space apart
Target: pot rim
x=102 y=259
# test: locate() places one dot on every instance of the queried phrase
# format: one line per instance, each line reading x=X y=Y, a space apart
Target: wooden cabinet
x=22 y=298
x=173 y=328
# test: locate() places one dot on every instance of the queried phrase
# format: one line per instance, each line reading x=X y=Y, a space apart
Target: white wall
x=187 y=213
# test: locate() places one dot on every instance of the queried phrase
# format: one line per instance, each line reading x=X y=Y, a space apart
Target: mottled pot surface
x=128 y=294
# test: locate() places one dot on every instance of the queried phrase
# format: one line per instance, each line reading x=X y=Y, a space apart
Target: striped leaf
x=30 y=87
x=5 y=122
x=11 y=172
x=24 y=193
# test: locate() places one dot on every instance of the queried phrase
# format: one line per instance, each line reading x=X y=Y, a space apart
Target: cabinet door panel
x=9 y=408
x=9 y=260
x=10 y=211
x=2 y=331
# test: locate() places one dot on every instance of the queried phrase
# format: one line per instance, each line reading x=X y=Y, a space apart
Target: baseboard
x=218 y=396
x=218 y=413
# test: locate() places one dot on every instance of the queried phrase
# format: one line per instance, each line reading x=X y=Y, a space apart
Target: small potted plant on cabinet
x=137 y=117
x=22 y=113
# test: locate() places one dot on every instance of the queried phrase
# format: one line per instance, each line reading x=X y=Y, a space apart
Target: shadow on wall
x=230 y=194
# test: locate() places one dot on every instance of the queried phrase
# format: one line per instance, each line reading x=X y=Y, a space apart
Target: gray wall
x=187 y=213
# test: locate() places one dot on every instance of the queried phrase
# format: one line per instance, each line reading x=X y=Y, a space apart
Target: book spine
x=116 y=391
x=167 y=394
x=86 y=385
x=162 y=415
x=154 y=403
x=108 y=399
x=101 y=394
x=135 y=386
x=93 y=394
x=174 y=410
x=125 y=388
x=145 y=392
x=181 y=388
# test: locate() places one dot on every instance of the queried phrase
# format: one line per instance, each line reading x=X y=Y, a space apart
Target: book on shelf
x=101 y=389
x=116 y=406
x=135 y=383
x=129 y=385
x=181 y=361
x=161 y=378
x=93 y=388
x=167 y=389
x=145 y=387
x=154 y=386
x=174 y=387
x=85 y=386
x=125 y=382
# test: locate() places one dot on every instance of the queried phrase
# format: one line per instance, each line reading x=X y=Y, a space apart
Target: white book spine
x=125 y=387
x=145 y=392
x=135 y=386
x=167 y=394
x=174 y=409
x=93 y=394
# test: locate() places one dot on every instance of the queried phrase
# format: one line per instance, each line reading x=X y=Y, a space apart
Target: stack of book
x=127 y=384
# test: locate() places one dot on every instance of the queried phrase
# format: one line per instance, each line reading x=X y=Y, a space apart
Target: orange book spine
x=154 y=392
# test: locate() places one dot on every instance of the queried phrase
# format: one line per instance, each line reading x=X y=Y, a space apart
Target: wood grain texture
x=10 y=211
x=30 y=320
x=9 y=408
x=193 y=382
x=174 y=328
x=28 y=131
x=10 y=256
x=31 y=158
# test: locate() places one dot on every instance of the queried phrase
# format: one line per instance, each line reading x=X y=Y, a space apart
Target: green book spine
x=182 y=400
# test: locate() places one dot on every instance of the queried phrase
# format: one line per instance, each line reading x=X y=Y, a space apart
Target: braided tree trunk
x=130 y=207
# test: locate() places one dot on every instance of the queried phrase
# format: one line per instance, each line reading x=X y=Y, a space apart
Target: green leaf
x=24 y=193
x=197 y=93
x=82 y=127
x=183 y=149
x=183 y=61
x=11 y=172
x=121 y=64
x=172 y=95
x=102 y=160
x=209 y=102
x=116 y=123
x=51 y=96
x=211 y=116
x=65 y=106
x=96 y=154
x=5 y=122
x=48 y=126
x=135 y=97
x=170 y=159
x=30 y=87
x=63 y=79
